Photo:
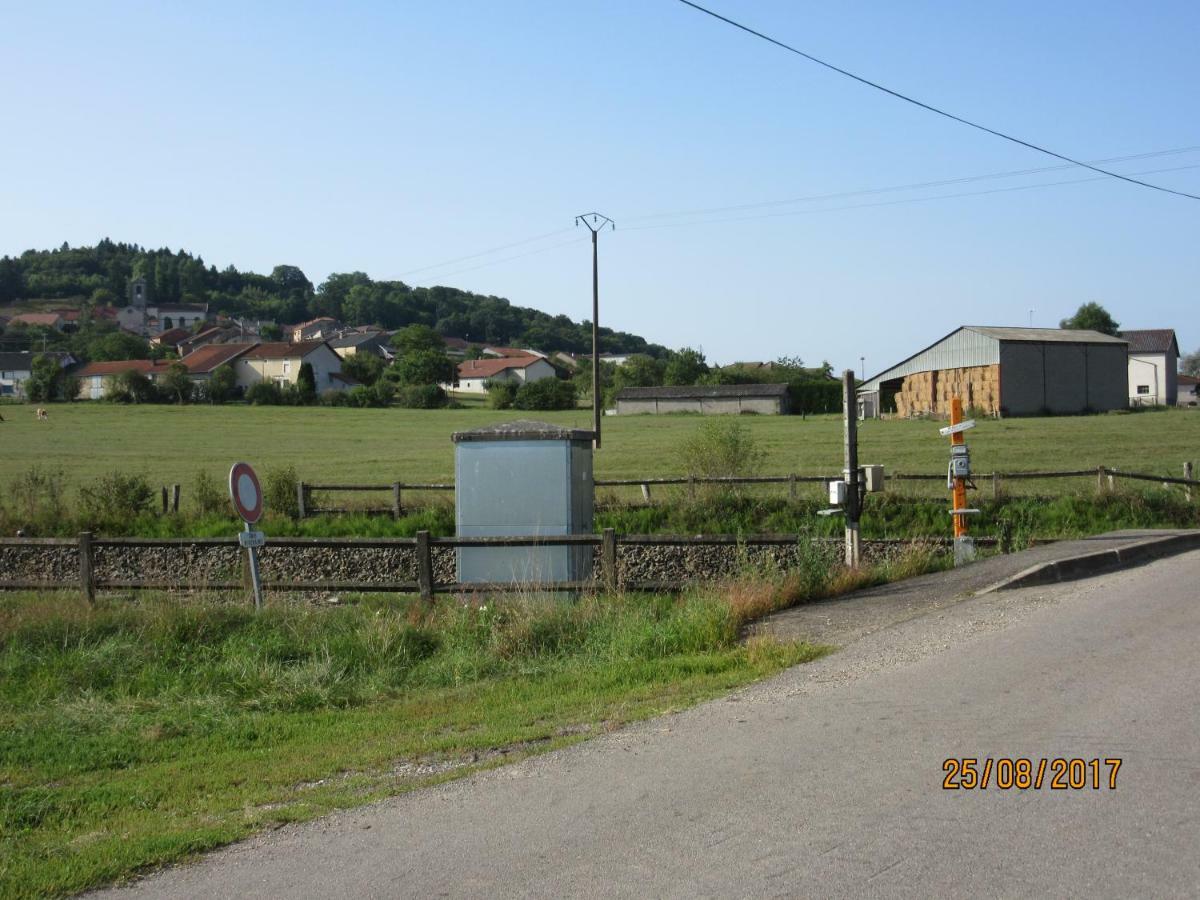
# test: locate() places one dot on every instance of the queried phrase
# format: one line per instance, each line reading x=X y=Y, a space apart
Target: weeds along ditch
x=34 y=504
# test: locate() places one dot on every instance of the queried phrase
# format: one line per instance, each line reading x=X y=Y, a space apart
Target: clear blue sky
x=386 y=137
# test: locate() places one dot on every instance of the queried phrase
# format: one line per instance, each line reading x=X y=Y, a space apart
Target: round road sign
x=245 y=492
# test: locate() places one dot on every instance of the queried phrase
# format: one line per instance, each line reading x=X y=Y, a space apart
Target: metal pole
x=850 y=422
x=255 y=579
x=597 y=393
x=595 y=226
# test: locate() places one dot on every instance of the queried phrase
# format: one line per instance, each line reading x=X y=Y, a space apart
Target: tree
x=365 y=368
x=292 y=282
x=131 y=387
x=48 y=381
x=306 y=383
x=222 y=384
x=1189 y=364
x=424 y=367
x=269 y=331
x=416 y=338
x=686 y=366
x=176 y=383
x=1091 y=317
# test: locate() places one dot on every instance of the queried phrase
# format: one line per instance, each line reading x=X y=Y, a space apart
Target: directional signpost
x=247 y=498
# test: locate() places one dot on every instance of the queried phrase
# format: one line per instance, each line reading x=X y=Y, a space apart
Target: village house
x=1153 y=366
x=38 y=320
x=371 y=342
x=474 y=374
x=16 y=368
x=321 y=328
x=280 y=362
x=95 y=378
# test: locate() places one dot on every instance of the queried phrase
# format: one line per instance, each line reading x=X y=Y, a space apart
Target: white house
x=17 y=367
x=1189 y=391
x=280 y=362
x=1153 y=367
x=474 y=374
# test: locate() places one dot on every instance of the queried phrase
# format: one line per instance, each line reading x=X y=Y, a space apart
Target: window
x=287 y=367
x=1143 y=389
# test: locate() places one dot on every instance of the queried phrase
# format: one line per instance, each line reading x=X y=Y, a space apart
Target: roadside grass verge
x=135 y=733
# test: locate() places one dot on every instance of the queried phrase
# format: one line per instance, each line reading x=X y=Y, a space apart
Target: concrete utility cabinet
x=518 y=479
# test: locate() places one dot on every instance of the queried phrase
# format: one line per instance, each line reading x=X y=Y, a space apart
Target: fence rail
x=423 y=545
x=1105 y=475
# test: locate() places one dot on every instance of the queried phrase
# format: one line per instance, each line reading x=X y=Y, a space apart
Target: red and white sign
x=245 y=492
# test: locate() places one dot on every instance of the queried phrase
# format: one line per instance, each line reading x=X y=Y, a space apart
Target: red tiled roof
x=512 y=352
x=37 y=318
x=283 y=350
x=116 y=367
x=1152 y=340
x=486 y=368
x=1189 y=379
x=174 y=336
x=204 y=359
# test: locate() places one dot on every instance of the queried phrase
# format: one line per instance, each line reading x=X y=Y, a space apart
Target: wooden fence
x=1105 y=476
x=422 y=545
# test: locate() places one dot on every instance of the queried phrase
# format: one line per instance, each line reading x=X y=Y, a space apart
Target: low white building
x=1189 y=391
x=474 y=374
x=17 y=367
x=1153 y=367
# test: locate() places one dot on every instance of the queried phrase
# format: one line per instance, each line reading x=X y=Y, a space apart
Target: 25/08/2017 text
x=1023 y=773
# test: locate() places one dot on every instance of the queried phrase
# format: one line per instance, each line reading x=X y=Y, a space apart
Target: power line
x=450 y=262
x=505 y=259
x=802 y=212
x=934 y=109
x=840 y=195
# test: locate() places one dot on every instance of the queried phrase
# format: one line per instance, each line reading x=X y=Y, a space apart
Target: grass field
x=134 y=734
x=169 y=444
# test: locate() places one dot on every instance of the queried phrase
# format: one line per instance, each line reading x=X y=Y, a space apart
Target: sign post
x=957 y=478
x=247 y=498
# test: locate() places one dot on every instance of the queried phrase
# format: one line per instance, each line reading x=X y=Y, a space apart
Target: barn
x=1004 y=372
x=708 y=399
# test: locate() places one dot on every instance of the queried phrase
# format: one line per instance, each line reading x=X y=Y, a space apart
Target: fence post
x=646 y=492
x=87 y=583
x=1187 y=473
x=175 y=499
x=1099 y=479
x=691 y=487
x=301 y=511
x=608 y=558
x=1112 y=481
x=396 y=508
x=995 y=485
x=424 y=567
x=164 y=499
x=792 y=486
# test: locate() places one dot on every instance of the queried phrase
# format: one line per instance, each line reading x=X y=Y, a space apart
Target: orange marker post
x=960 y=483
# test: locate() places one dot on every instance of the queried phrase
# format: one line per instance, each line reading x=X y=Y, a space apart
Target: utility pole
x=595 y=226
x=853 y=497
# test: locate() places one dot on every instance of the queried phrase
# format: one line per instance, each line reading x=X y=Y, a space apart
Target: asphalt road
x=826 y=781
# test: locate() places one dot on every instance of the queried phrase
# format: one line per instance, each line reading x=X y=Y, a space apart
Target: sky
x=411 y=140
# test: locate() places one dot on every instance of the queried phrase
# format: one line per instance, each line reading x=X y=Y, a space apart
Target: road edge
x=1085 y=565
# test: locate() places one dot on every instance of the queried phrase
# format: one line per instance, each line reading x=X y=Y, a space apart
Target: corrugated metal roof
x=979 y=345
x=1044 y=335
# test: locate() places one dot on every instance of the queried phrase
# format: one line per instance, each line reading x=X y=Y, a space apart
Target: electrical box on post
x=872 y=477
x=837 y=493
x=960 y=461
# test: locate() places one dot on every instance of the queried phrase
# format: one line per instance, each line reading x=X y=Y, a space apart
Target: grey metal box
x=520 y=479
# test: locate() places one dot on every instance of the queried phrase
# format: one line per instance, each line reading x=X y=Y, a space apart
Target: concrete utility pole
x=595 y=226
x=850 y=421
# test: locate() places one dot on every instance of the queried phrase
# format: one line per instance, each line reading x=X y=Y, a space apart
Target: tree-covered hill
x=100 y=275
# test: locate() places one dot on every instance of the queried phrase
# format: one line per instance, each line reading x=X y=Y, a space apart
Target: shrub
x=279 y=491
x=265 y=393
x=384 y=391
x=334 y=397
x=549 y=393
x=115 y=499
x=306 y=384
x=36 y=497
x=721 y=448
x=131 y=387
x=211 y=500
x=502 y=394
x=421 y=396
x=222 y=384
